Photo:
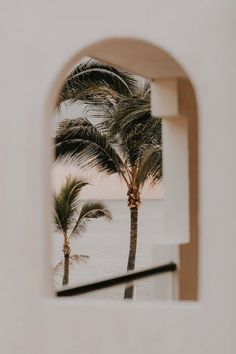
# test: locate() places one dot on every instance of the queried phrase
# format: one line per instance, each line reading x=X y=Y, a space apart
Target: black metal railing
x=129 y=277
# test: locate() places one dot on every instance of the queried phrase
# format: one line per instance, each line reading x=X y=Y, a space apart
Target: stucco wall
x=38 y=38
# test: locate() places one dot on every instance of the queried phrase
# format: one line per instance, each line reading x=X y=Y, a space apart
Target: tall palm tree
x=71 y=218
x=127 y=143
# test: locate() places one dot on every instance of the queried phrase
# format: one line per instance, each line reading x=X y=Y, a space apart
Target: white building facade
x=40 y=42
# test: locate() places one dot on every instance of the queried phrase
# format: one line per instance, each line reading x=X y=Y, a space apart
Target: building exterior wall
x=39 y=39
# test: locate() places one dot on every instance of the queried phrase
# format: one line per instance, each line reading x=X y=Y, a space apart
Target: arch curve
x=152 y=62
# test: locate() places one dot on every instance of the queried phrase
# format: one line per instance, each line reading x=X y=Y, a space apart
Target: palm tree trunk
x=66 y=270
x=66 y=251
x=129 y=290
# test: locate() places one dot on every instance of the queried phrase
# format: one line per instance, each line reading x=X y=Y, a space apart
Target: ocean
x=107 y=245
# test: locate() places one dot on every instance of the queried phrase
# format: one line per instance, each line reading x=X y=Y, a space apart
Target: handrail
x=169 y=267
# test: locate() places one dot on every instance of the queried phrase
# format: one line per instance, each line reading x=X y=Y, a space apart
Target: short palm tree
x=72 y=218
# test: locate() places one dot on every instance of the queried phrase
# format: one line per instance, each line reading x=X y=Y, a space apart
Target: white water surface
x=107 y=245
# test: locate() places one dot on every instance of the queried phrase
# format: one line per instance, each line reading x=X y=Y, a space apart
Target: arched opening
x=174 y=100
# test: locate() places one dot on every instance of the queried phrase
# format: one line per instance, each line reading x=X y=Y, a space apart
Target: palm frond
x=78 y=140
x=150 y=167
x=66 y=202
x=73 y=260
x=133 y=128
x=90 y=211
x=142 y=89
x=92 y=81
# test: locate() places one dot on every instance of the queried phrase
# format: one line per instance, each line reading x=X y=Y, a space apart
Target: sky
x=101 y=186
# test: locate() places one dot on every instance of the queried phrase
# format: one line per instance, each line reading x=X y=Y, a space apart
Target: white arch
x=174 y=100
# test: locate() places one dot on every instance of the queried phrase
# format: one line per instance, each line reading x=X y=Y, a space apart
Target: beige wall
x=40 y=40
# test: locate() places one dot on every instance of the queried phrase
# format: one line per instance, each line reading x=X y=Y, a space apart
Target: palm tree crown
x=71 y=217
x=127 y=142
